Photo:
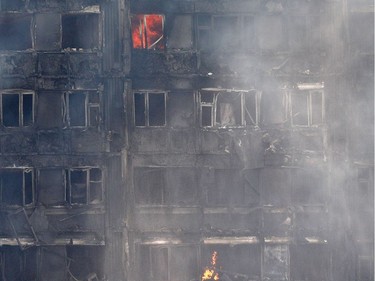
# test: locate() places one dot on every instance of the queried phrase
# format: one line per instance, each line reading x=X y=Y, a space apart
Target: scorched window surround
x=148 y=31
x=227 y=108
x=17 y=108
x=150 y=109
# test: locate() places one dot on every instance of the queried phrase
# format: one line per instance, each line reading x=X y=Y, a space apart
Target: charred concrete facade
x=61 y=141
x=140 y=139
x=241 y=142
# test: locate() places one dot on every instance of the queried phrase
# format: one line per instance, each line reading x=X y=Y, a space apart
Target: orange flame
x=210 y=271
x=147 y=31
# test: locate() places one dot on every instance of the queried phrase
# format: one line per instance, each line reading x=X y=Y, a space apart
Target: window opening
x=148 y=31
x=80 y=31
x=307 y=108
x=150 y=109
x=229 y=109
x=166 y=262
x=17 y=109
x=84 y=186
x=17 y=186
x=225 y=32
x=83 y=109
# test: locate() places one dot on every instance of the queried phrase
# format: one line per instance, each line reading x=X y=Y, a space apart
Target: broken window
x=309 y=262
x=276 y=262
x=85 y=186
x=233 y=261
x=16 y=264
x=17 y=108
x=51 y=186
x=166 y=262
x=17 y=186
x=15 y=32
x=229 y=109
x=80 y=31
x=83 y=109
x=85 y=262
x=307 y=107
x=163 y=186
x=231 y=187
x=148 y=31
x=225 y=32
x=149 y=109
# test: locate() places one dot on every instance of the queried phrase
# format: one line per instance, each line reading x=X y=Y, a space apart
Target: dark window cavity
x=85 y=262
x=17 y=109
x=85 y=186
x=17 y=186
x=16 y=264
x=148 y=31
x=229 y=109
x=15 y=32
x=150 y=109
x=233 y=188
x=165 y=262
x=80 y=31
x=307 y=108
x=225 y=32
x=165 y=186
x=83 y=109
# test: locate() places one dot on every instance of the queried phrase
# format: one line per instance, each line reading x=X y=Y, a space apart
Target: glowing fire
x=147 y=31
x=210 y=271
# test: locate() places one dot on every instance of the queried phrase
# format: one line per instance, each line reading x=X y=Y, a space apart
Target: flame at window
x=147 y=31
x=210 y=272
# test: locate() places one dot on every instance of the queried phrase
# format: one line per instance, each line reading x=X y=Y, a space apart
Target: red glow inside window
x=147 y=31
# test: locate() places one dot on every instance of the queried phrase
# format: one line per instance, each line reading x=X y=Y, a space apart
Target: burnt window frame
x=21 y=93
x=89 y=105
x=307 y=90
x=147 y=94
x=169 y=245
x=24 y=170
x=162 y=38
x=245 y=115
x=87 y=170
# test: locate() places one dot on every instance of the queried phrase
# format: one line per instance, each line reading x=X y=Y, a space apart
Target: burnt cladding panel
x=47 y=31
x=49 y=111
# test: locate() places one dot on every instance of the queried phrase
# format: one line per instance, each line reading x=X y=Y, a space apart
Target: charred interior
x=181 y=140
